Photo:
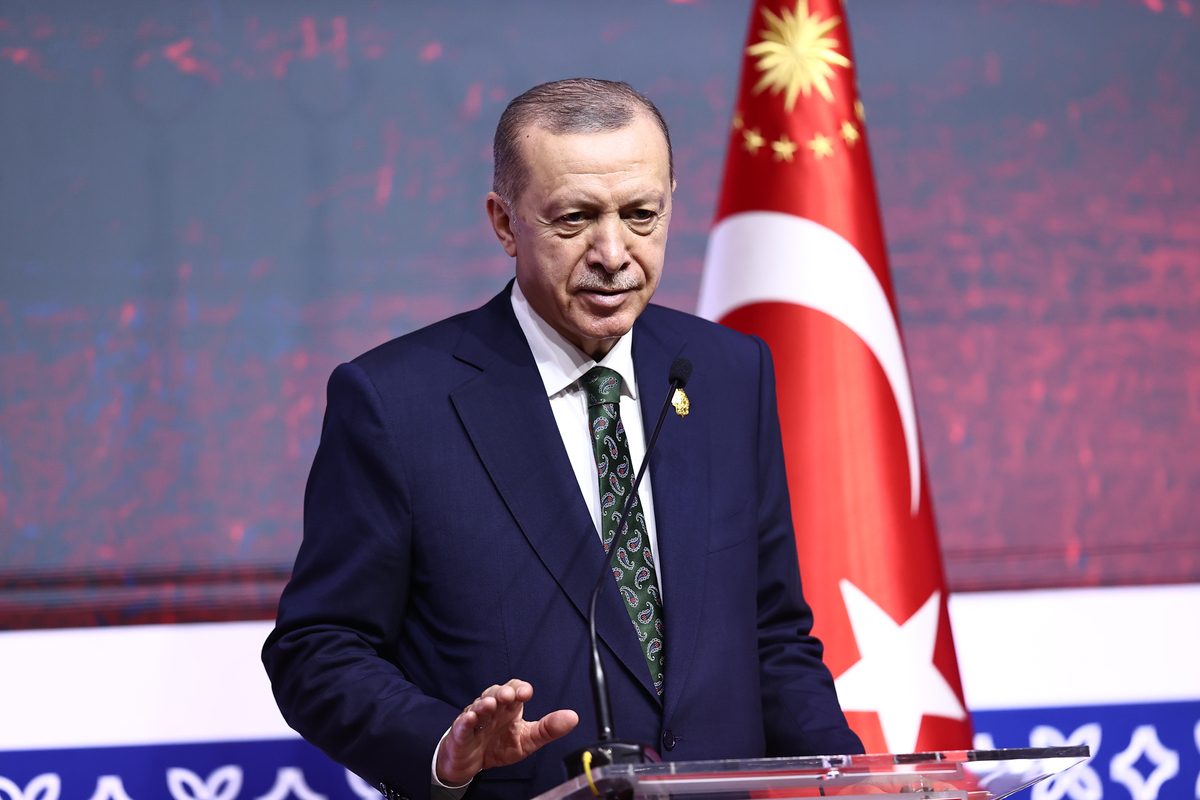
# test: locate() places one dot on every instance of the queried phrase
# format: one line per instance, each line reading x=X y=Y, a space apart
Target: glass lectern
x=948 y=775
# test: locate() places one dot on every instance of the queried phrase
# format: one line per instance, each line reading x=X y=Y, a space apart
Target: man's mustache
x=601 y=281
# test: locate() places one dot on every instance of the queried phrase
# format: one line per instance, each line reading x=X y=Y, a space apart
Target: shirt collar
x=560 y=363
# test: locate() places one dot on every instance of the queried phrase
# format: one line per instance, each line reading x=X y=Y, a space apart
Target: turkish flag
x=797 y=257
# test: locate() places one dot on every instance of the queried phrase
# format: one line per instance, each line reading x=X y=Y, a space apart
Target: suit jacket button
x=668 y=740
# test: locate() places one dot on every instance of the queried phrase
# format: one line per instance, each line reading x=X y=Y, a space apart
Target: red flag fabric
x=797 y=256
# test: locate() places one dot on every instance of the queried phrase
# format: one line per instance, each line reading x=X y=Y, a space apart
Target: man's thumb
x=552 y=726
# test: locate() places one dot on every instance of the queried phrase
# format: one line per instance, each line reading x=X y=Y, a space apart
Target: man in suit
x=462 y=499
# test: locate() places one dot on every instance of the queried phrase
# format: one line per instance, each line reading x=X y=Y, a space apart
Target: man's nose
x=608 y=250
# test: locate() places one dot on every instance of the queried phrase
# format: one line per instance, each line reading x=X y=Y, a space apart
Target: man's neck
x=560 y=361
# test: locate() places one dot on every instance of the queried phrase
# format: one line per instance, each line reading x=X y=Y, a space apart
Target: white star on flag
x=895 y=676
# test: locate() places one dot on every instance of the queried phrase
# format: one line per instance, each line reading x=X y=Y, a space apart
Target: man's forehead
x=637 y=149
x=640 y=122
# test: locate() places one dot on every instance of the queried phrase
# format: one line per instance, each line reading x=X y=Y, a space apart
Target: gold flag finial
x=795 y=54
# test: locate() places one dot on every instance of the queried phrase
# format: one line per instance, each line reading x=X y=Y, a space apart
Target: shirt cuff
x=442 y=791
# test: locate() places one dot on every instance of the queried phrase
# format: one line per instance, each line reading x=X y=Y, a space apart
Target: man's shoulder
x=435 y=340
x=421 y=363
x=700 y=331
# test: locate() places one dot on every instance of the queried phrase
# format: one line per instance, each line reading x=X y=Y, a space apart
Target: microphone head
x=681 y=371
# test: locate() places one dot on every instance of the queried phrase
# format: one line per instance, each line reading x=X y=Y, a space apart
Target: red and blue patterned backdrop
x=204 y=207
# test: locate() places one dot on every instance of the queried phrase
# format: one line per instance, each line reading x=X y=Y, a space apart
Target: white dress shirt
x=561 y=365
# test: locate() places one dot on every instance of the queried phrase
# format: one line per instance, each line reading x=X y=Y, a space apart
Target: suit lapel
x=507 y=416
x=679 y=469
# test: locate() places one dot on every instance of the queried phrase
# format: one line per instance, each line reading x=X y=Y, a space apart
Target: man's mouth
x=605 y=297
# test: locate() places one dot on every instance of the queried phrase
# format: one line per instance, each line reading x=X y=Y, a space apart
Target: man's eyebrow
x=649 y=198
x=572 y=199
x=584 y=200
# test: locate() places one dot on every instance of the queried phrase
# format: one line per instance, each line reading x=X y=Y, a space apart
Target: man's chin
x=597 y=340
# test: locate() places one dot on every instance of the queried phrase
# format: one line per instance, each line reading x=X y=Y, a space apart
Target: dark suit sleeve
x=342 y=610
x=800 y=707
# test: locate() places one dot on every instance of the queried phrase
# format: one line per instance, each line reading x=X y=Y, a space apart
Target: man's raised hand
x=492 y=732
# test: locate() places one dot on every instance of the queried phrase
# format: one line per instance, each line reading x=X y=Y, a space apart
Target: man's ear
x=498 y=215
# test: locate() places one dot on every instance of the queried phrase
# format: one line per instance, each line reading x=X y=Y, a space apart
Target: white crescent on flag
x=770 y=257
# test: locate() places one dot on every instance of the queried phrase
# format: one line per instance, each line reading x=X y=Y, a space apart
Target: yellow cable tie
x=587 y=771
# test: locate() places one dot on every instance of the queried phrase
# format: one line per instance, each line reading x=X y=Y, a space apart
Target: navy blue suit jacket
x=446 y=547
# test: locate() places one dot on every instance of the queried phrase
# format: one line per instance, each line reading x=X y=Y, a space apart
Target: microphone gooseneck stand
x=607 y=749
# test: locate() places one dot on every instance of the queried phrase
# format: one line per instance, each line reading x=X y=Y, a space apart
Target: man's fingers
x=552 y=726
x=490 y=692
x=514 y=691
x=506 y=703
x=522 y=690
x=464 y=726
x=459 y=756
x=497 y=706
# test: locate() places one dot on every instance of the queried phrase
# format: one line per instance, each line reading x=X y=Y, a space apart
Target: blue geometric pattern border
x=274 y=770
x=1148 y=751
x=1143 y=751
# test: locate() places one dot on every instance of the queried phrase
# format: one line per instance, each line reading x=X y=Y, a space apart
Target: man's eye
x=573 y=218
x=641 y=217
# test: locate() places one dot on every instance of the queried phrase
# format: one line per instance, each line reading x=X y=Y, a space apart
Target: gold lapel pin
x=680 y=401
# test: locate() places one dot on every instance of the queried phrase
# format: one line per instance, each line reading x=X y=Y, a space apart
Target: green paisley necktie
x=634 y=567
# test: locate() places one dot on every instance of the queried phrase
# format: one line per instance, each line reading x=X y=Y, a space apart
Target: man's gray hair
x=573 y=105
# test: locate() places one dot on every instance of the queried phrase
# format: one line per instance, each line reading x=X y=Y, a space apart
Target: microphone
x=608 y=749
